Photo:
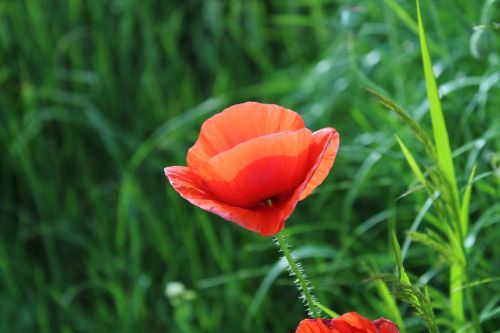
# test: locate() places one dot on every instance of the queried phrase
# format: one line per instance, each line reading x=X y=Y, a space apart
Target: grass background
x=96 y=97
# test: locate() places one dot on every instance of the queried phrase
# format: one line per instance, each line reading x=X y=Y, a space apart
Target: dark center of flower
x=328 y=323
x=273 y=201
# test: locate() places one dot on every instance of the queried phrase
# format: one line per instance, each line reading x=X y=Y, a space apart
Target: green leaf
x=403 y=277
x=438 y=123
x=407 y=20
x=411 y=161
x=480 y=282
x=402 y=14
x=329 y=312
x=464 y=208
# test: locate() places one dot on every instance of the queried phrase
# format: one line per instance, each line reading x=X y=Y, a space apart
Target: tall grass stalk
x=449 y=188
x=418 y=300
x=440 y=180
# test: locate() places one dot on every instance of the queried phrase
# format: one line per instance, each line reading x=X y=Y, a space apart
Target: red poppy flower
x=348 y=323
x=252 y=163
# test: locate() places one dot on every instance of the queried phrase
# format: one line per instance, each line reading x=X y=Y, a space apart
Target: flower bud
x=352 y=18
x=482 y=43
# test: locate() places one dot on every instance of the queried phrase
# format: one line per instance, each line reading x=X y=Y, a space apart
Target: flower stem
x=296 y=269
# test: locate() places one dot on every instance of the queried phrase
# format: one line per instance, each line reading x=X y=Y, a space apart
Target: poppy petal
x=352 y=322
x=265 y=220
x=316 y=326
x=240 y=123
x=324 y=147
x=263 y=168
x=385 y=326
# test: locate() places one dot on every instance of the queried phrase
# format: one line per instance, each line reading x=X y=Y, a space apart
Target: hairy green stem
x=297 y=271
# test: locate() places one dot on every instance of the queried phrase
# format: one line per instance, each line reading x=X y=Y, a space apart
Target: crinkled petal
x=266 y=167
x=240 y=123
x=352 y=322
x=385 y=326
x=267 y=220
x=324 y=147
x=316 y=326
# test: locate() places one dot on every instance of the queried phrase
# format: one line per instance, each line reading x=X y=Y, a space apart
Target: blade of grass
x=464 y=208
x=445 y=163
x=420 y=301
x=403 y=277
x=326 y=310
x=402 y=14
x=407 y=20
x=411 y=161
x=438 y=123
x=464 y=218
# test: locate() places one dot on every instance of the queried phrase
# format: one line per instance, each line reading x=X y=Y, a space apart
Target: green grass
x=97 y=97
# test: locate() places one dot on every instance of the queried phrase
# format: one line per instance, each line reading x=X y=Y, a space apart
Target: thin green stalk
x=476 y=322
x=456 y=293
x=449 y=183
x=302 y=282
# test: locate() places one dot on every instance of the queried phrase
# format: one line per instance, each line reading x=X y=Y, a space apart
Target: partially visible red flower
x=252 y=163
x=348 y=323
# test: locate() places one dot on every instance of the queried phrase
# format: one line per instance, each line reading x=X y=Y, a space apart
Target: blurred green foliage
x=96 y=97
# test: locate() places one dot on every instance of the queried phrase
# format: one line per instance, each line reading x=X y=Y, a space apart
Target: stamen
x=269 y=202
